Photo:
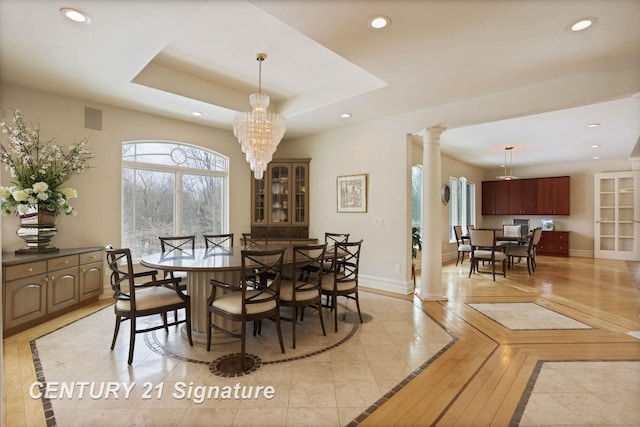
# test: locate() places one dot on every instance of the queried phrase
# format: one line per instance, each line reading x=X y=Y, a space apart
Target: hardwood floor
x=477 y=381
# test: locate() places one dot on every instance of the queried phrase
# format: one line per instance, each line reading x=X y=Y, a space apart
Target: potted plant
x=416 y=245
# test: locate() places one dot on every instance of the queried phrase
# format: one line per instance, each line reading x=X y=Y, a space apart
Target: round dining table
x=221 y=264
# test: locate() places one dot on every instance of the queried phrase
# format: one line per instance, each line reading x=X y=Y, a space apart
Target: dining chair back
x=302 y=289
x=218 y=241
x=344 y=280
x=134 y=299
x=526 y=251
x=249 y=239
x=509 y=230
x=484 y=248
x=245 y=302
x=462 y=246
x=331 y=239
x=178 y=246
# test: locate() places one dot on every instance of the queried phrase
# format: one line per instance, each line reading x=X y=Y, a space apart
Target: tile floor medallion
x=581 y=393
x=527 y=316
x=334 y=380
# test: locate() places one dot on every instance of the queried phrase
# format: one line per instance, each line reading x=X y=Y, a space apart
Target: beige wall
x=99 y=195
x=384 y=150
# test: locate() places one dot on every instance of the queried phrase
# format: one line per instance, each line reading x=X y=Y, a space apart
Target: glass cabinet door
x=258 y=202
x=279 y=180
x=301 y=205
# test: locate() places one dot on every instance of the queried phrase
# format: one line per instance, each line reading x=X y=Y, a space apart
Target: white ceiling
x=175 y=57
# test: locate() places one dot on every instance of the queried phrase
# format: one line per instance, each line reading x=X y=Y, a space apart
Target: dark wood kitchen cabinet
x=531 y=196
x=553 y=196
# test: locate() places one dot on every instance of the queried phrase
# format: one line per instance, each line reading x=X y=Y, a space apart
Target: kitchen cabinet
x=553 y=196
x=39 y=287
x=553 y=243
x=531 y=196
x=522 y=196
x=280 y=201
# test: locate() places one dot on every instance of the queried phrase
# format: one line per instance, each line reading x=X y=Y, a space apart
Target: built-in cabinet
x=533 y=196
x=553 y=243
x=37 y=288
x=280 y=201
x=617 y=215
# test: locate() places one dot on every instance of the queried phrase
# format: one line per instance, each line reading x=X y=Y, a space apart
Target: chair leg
x=472 y=262
x=294 y=320
x=187 y=313
x=132 y=339
x=458 y=257
x=209 y=315
x=321 y=319
x=334 y=307
x=493 y=268
x=115 y=331
x=164 y=321
x=243 y=344
x=280 y=331
x=358 y=306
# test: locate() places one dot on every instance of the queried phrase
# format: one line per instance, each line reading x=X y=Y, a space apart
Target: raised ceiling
x=175 y=57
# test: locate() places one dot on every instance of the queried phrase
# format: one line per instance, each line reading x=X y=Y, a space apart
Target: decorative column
x=431 y=271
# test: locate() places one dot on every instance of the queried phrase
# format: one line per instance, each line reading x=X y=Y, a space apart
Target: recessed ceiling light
x=75 y=15
x=378 y=22
x=593 y=125
x=196 y=113
x=595 y=146
x=596 y=157
x=582 y=24
x=345 y=115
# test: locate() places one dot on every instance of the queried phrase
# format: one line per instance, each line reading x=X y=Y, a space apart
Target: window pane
x=147 y=209
x=416 y=196
x=202 y=205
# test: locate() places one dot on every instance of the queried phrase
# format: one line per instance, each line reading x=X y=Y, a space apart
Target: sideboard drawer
x=24 y=270
x=62 y=262
x=90 y=257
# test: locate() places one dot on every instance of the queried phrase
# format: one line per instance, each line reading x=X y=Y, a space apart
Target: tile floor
x=325 y=381
x=527 y=315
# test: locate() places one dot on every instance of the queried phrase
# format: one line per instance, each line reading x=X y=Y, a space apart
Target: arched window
x=171 y=189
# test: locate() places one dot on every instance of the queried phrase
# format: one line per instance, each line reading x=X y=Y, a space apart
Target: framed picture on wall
x=352 y=193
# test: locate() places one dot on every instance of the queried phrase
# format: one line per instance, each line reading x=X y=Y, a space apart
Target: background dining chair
x=178 y=247
x=331 y=239
x=463 y=248
x=135 y=300
x=509 y=230
x=524 y=251
x=484 y=248
x=215 y=241
x=243 y=303
x=303 y=288
x=344 y=280
x=249 y=239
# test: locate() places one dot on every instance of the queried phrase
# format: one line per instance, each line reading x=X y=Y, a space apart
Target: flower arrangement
x=38 y=169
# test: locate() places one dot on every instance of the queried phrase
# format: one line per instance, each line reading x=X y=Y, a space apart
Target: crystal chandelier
x=258 y=131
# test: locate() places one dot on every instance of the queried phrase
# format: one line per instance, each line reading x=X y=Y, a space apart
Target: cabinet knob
x=30 y=269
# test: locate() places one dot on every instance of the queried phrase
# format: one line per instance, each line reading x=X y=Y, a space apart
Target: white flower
x=42 y=196
x=20 y=195
x=22 y=209
x=40 y=187
x=5 y=192
x=69 y=193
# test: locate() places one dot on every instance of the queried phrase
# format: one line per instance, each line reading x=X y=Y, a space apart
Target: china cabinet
x=280 y=200
x=617 y=215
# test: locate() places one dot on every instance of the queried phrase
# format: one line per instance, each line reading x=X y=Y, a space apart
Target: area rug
x=527 y=316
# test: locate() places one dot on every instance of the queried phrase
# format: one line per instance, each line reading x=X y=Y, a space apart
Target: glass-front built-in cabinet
x=617 y=212
x=280 y=201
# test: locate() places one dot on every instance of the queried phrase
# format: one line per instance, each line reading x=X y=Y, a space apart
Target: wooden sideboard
x=37 y=288
x=554 y=243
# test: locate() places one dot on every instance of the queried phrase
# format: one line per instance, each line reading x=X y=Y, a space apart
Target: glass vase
x=37 y=228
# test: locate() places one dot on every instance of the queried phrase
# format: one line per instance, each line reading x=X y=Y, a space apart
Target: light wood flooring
x=477 y=381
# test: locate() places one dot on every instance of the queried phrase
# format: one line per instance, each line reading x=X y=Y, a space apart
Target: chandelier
x=258 y=131
x=508 y=167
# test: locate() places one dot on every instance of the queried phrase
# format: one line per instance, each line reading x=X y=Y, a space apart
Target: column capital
x=432 y=134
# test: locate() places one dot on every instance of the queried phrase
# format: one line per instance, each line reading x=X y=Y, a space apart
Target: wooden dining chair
x=135 y=300
x=178 y=247
x=524 y=251
x=463 y=248
x=245 y=303
x=331 y=239
x=484 y=248
x=302 y=289
x=249 y=239
x=344 y=280
x=218 y=241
